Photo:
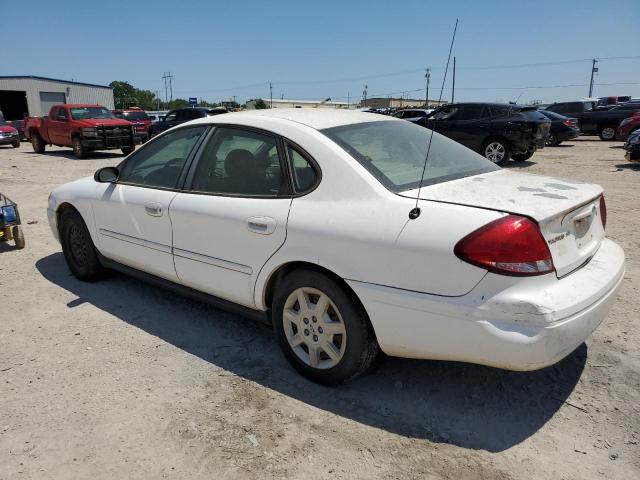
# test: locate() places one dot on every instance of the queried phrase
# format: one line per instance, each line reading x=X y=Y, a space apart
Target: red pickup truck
x=82 y=127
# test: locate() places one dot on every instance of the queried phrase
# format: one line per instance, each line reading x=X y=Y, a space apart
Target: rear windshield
x=394 y=152
x=80 y=113
x=135 y=116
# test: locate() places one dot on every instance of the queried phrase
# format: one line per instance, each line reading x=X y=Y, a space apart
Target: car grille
x=116 y=136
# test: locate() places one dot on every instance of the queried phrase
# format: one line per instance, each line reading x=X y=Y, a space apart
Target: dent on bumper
x=530 y=332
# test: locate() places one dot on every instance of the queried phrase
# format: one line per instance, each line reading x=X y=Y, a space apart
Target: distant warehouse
x=31 y=95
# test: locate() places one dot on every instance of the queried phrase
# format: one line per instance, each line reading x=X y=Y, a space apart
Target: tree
x=126 y=95
x=259 y=104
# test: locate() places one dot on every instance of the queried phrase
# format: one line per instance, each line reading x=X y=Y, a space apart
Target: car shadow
x=523 y=164
x=562 y=145
x=629 y=166
x=95 y=155
x=467 y=405
x=7 y=246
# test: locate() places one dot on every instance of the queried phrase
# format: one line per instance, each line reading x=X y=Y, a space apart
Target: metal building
x=31 y=95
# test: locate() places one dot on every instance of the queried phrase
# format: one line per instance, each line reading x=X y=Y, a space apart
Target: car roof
x=318 y=119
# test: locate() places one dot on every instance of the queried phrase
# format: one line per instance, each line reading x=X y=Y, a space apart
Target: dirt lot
x=119 y=379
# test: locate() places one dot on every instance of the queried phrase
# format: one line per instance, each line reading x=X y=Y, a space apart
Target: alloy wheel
x=495 y=152
x=314 y=328
x=78 y=244
x=608 y=133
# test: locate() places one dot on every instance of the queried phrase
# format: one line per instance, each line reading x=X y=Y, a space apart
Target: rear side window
x=304 y=175
x=394 y=153
x=498 y=111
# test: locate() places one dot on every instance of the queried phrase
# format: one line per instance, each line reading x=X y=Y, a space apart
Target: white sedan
x=302 y=217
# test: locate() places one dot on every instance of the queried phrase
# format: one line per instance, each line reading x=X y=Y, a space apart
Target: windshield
x=136 y=116
x=81 y=113
x=394 y=152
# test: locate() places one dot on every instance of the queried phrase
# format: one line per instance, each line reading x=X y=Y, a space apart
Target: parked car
x=592 y=121
x=83 y=127
x=497 y=131
x=632 y=146
x=18 y=125
x=605 y=101
x=562 y=128
x=181 y=115
x=138 y=117
x=300 y=217
x=413 y=114
x=8 y=134
x=627 y=126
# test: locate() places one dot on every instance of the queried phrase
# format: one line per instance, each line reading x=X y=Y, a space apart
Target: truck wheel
x=37 y=143
x=607 y=133
x=79 y=150
x=18 y=237
x=323 y=331
x=15 y=144
x=496 y=150
x=77 y=247
x=127 y=150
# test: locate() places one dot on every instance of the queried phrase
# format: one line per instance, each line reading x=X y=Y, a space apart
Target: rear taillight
x=511 y=245
x=603 y=211
x=568 y=123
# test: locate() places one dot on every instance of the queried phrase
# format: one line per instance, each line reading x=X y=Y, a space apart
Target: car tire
x=77 y=247
x=127 y=150
x=607 y=133
x=329 y=346
x=79 y=150
x=37 y=143
x=552 y=140
x=16 y=144
x=497 y=150
x=521 y=157
x=18 y=237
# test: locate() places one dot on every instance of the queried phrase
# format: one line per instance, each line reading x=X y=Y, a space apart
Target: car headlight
x=14 y=133
x=90 y=132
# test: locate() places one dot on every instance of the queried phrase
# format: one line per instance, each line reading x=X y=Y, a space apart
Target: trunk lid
x=567 y=211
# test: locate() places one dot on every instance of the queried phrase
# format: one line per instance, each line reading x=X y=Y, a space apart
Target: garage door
x=49 y=99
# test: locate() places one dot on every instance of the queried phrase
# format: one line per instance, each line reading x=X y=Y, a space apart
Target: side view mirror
x=106 y=175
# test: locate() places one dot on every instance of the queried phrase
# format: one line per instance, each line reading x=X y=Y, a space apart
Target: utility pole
x=364 y=94
x=427 y=77
x=234 y=101
x=270 y=95
x=164 y=78
x=167 y=76
x=348 y=101
x=594 y=69
x=453 y=89
x=158 y=99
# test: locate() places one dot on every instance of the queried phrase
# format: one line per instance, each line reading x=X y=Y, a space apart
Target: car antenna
x=415 y=212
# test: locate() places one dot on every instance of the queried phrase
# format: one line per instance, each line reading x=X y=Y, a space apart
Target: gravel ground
x=119 y=379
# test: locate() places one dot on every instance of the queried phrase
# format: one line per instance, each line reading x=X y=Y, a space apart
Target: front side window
x=394 y=153
x=171 y=117
x=62 y=114
x=160 y=163
x=240 y=162
x=473 y=112
x=447 y=113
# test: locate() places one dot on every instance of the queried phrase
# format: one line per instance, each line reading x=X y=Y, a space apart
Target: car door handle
x=261 y=225
x=154 y=209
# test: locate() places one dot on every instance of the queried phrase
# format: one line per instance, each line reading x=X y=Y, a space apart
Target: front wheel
x=607 y=133
x=79 y=150
x=497 y=150
x=322 y=329
x=77 y=247
x=37 y=143
x=18 y=237
x=127 y=150
x=15 y=144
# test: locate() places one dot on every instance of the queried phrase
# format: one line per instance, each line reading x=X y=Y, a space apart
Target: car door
x=232 y=215
x=132 y=215
x=59 y=129
x=443 y=120
x=472 y=126
x=171 y=120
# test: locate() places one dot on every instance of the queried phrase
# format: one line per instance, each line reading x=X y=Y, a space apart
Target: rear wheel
x=77 y=247
x=323 y=331
x=15 y=144
x=37 y=143
x=127 y=150
x=18 y=236
x=79 y=150
x=607 y=133
x=496 y=150
x=521 y=157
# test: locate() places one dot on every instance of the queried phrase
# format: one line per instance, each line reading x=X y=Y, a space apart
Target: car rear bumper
x=568 y=135
x=524 y=325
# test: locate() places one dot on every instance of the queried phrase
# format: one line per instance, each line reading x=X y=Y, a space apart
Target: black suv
x=497 y=131
x=181 y=115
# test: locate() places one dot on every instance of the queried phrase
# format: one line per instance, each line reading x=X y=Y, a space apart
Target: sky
x=331 y=49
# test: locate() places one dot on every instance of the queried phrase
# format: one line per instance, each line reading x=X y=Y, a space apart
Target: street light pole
x=594 y=69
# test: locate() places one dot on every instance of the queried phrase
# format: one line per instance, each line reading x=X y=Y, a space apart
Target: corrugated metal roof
x=36 y=77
